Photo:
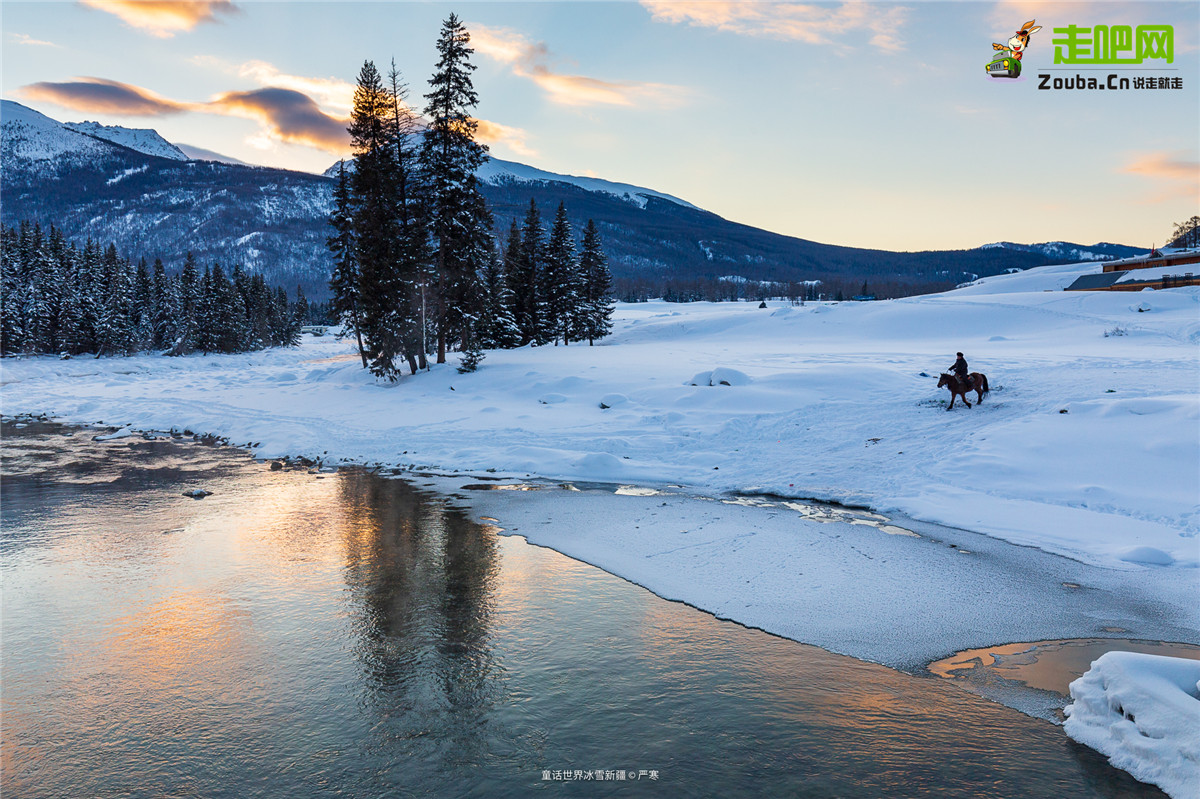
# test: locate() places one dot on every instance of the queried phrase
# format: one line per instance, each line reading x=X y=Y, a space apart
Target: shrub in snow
x=1116 y=331
x=1143 y=712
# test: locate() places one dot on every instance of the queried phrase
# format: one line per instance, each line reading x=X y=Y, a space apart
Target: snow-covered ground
x=1087 y=446
x=1143 y=711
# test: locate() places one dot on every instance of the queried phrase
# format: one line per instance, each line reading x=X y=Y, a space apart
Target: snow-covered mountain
x=1064 y=252
x=143 y=140
x=133 y=189
x=35 y=138
x=498 y=172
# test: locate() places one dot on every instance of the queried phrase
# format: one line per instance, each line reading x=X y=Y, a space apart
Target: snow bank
x=1143 y=712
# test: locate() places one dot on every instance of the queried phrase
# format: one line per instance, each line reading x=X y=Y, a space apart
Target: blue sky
x=853 y=123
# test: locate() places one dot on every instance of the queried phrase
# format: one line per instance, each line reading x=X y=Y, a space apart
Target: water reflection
x=354 y=636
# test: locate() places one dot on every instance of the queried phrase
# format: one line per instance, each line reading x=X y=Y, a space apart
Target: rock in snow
x=1143 y=712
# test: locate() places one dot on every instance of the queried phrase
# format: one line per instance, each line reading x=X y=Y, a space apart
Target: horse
x=958 y=387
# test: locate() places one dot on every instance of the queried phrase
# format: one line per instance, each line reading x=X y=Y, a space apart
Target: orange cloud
x=528 y=60
x=164 y=18
x=330 y=93
x=100 y=96
x=803 y=22
x=1174 y=173
x=289 y=116
x=491 y=133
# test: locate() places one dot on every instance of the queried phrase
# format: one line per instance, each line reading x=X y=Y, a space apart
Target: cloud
x=802 y=22
x=529 y=60
x=1175 y=174
x=330 y=93
x=23 y=38
x=97 y=95
x=495 y=133
x=164 y=18
x=289 y=116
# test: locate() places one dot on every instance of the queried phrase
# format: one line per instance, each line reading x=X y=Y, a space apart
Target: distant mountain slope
x=142 y=140
x=1066 y=252
x=32 y=140
x=201 y=154
x=275 y=221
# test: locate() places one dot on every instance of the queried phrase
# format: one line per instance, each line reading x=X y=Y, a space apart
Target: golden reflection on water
x=1049 y=665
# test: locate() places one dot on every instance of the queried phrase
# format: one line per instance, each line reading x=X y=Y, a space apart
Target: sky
x=863 y=124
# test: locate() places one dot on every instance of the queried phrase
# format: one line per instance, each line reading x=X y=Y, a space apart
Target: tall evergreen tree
x=595 y=321
x=344 y=282
x=524 y=277
x=413 y=260
x=497 y=328
x=449 y=156
x=376 y=224
x=558 y=283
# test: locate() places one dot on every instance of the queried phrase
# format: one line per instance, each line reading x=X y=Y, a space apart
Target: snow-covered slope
x=34 y=137
x=195 y=153
x=497 y=171
x=1065 y=251
x=142 y=140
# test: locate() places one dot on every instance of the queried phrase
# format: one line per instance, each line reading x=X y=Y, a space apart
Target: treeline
x=710 y=289
x=416 y=269
x=60 y=299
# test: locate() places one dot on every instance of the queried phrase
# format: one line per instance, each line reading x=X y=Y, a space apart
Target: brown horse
x=958 y=388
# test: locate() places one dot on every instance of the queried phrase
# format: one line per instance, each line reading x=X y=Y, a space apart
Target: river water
x=346 y=635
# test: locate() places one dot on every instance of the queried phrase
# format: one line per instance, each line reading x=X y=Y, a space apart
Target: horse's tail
x=983 y=383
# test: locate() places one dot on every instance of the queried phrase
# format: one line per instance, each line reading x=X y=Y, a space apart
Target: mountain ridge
x=276 y=221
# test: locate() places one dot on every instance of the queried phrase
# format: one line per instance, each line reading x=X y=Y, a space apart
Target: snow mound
x=1150 y=555
x=1143 y=712
x=613 y=400
x=721 y=376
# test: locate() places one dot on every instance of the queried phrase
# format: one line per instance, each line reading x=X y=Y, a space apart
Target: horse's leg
x=965 y=400
x=953 y=397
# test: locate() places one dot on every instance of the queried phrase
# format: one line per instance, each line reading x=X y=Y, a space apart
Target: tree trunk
x=412 y=363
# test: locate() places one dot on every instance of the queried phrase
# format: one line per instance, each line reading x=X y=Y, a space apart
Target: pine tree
x=558 y=283
x=376 y=224
x=413 y=260
x=344 y=282
x=524 y=278
x=497 y=327
x=143 y=306
x=449 y=157
x=115 y=331
x=11 y=300
x=595 y=321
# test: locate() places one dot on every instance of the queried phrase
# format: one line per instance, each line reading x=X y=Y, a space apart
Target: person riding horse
x=961 y=371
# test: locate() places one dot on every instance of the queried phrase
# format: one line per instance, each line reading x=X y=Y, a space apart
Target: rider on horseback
x=962 y=372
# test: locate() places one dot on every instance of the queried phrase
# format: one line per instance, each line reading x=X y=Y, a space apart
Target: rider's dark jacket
x=960 y=368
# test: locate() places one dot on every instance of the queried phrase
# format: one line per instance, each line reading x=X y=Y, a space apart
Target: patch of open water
x=357 y=636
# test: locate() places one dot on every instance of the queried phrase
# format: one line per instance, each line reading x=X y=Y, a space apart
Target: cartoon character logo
x=1008 y=63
